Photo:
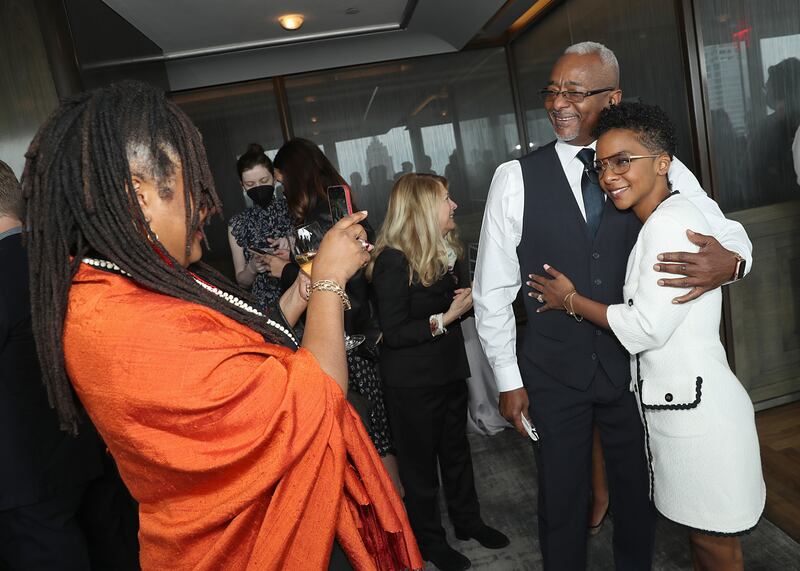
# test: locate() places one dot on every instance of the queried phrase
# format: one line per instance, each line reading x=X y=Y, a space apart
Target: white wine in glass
x=304 y=243
x=305 y=261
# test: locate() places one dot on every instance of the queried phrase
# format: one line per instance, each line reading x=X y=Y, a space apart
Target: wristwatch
x=741 y=263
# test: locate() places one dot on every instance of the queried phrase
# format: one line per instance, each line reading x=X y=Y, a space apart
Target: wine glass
x=304 y=243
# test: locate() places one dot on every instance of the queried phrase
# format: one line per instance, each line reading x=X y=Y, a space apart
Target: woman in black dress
x=422 y=289
x=260 y=226
x=306 y=173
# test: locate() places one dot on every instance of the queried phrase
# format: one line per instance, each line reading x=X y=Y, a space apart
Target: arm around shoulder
x=729 y=233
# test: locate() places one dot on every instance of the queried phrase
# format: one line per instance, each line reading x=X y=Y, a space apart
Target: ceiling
x=201 y=43
x=186 y=27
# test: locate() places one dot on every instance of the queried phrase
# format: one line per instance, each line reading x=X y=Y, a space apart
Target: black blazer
x=38 y=459
x=410 y=355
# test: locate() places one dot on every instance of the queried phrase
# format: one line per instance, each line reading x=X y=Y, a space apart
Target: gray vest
x=554 y=232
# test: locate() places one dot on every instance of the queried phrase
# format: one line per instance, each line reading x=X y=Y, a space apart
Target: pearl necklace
x=229 y=297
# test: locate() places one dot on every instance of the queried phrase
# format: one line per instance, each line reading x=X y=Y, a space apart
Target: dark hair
x=253 y=157
x=783 y=84
x=651 y=124
x=11 y=203
x=76 y=184
x=307 y=173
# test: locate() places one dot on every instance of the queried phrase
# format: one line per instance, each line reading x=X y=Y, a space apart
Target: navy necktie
x=592 y=193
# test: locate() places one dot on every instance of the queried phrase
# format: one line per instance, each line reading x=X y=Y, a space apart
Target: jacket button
x=596 y=255
x=668 y=397
x=630 y=302
x=594 y=356
x=598 y=281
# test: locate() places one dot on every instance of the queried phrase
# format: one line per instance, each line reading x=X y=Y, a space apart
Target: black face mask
x=262 y=194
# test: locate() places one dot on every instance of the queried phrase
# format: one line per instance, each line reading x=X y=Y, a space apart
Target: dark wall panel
x=27 y=93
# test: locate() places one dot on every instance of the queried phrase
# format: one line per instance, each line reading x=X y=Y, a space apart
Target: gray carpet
x=505 y=474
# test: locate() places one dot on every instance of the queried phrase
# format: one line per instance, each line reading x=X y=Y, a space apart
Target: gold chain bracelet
x=568 y=306
x=331 y=286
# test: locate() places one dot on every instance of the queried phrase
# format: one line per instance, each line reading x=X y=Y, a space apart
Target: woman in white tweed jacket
x=702 y=444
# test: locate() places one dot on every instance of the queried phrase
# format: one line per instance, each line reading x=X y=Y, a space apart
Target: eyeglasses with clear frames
x=619 y=164
x=571 y=96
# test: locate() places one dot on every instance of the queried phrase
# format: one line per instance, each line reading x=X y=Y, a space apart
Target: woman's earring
x=151 y=231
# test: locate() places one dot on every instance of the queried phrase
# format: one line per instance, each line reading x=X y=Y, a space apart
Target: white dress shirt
x=497 y=273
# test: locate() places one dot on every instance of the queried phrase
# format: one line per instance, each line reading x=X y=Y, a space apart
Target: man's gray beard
x=565 y=139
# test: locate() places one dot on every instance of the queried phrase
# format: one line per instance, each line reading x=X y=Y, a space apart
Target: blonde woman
x=422 y=291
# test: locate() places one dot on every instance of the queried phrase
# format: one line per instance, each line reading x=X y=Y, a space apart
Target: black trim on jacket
x=681 y=406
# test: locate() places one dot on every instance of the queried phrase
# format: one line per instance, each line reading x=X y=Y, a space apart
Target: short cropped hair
x=11 y=203
x=595 y=48
x=651 y=124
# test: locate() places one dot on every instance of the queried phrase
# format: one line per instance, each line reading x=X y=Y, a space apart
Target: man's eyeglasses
x=619 y=164
x=571 y=96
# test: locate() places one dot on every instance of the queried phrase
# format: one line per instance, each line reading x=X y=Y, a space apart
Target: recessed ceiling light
x=314 y=119
x=291 y=21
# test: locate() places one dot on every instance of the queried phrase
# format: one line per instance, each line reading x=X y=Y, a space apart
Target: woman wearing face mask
x=259 y=228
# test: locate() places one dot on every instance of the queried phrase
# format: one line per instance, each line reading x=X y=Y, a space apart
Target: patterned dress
x=251 y=228
x=365 y=380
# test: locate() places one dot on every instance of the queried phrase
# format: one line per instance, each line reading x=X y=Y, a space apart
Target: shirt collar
x=11 y=232
x=568 y=153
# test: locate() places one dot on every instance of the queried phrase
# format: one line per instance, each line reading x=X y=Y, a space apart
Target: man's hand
x=704 y=271
x=512 y=404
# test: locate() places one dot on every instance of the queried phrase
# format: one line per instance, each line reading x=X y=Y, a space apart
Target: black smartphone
x=339 y=202
x=262 y=251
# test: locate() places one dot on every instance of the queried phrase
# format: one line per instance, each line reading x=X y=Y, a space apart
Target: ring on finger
x=539 y=298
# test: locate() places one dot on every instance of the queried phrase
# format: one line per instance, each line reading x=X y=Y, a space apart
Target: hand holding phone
x=339 y=201
x=261 y=251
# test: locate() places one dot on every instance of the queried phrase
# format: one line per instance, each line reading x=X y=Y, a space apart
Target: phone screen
x=339 y=202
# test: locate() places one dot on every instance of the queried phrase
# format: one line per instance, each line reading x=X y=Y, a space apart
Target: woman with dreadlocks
x=242 y=454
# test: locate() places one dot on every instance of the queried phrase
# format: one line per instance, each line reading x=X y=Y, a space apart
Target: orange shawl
x=241 y=454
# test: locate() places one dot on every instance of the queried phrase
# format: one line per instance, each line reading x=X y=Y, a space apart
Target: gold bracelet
x=569 y=293
x=331 y=286
x=571 y=310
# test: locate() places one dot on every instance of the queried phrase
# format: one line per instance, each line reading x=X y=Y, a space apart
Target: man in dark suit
x=44 y=470
x=571 y=375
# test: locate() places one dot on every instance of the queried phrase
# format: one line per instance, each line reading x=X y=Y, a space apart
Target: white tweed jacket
x=699 y=424
x=670 y=337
